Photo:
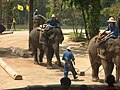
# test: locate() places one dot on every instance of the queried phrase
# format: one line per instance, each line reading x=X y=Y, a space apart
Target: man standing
x=68 y=58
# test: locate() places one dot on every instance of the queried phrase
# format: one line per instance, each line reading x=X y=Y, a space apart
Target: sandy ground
x=39 y=74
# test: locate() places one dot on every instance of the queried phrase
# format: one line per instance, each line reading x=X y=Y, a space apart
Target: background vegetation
x=77 y=14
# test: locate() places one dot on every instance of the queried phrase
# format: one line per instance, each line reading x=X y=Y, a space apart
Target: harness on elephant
x=101 y=47
x=42 y=31
x=46 y=32
x=102 y=53
x=101 y=36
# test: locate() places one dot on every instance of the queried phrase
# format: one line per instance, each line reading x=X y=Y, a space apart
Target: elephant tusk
x=102 y=56
x=42 y=43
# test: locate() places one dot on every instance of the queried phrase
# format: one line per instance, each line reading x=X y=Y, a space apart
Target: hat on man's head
x=111 y=19
x=53 y=15
x=69 y=48
x=36 y=10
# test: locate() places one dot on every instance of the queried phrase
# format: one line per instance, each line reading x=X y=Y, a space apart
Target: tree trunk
x=0 y=11
x=85 y=22
x=30 y=18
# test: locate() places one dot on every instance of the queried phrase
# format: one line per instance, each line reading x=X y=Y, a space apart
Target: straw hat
x=111 y=19
x=53 y=16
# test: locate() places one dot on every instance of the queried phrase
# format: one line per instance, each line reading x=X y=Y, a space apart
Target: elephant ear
x=50 y=34
x=113 y=45
x=107 y=43
x=102 y=45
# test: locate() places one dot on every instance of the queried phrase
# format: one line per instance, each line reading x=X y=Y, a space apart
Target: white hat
x=69 y=47
x=36 y=10
x=111 y=19
x=53 y=15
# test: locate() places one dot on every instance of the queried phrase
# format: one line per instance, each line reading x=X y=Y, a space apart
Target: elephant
x=118 y=23
x=46 y=41
x=2 y=28
x=38 y=20
x=112 y=52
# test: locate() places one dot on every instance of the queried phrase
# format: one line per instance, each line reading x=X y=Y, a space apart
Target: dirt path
x=36 y=74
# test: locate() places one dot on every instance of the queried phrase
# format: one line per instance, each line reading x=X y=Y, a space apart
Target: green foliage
x=50 y=8
x=94 y=17
x=114 y=10
x=7 y=11
x=91 y=14
x=41 y=6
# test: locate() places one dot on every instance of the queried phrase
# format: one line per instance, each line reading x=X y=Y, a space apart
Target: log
x=10 y=71
x=21 y=52
x=6 y=32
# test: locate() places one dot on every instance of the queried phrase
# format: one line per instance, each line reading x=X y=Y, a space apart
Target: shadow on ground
x=58 y=87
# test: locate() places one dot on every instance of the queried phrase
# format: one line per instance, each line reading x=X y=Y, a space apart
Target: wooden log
x=21 y=52
x=6 y=32
x=10 y=71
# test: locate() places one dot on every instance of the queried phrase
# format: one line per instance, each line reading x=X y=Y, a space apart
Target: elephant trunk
x=61 y=39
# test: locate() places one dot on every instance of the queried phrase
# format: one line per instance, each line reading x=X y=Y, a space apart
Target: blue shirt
x=67 y=55
x=35 y=13
x=113 y=29
x=52 y=22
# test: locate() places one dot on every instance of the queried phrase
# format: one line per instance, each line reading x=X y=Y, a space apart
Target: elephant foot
x=36 y=63
x=40 y=61
x=59 y=64
x=116 y=81
x=95 y=79
x=49 y=67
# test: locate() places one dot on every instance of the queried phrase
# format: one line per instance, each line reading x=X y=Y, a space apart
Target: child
x=110 y=81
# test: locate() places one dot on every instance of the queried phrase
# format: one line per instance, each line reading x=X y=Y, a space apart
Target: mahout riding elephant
x=112 y=53
x=38 y=20
x=47 y=41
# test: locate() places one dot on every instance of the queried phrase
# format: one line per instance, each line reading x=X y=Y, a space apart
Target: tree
x=113 y=11
x=0 y=11
x=94 y=18
x=41 y=6
x=91 y=13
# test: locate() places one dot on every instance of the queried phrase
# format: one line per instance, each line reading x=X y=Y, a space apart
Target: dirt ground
x=39 y=74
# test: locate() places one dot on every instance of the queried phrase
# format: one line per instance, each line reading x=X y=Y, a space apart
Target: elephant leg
x=56 y=50
x=94 y=60
x=35 y=56
x=117 y=63
x=49 y=54
x=106 y=67
x=41 y=55
x=111 y=67
x=95 y=71
x=58 y=59
x=117 y=73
